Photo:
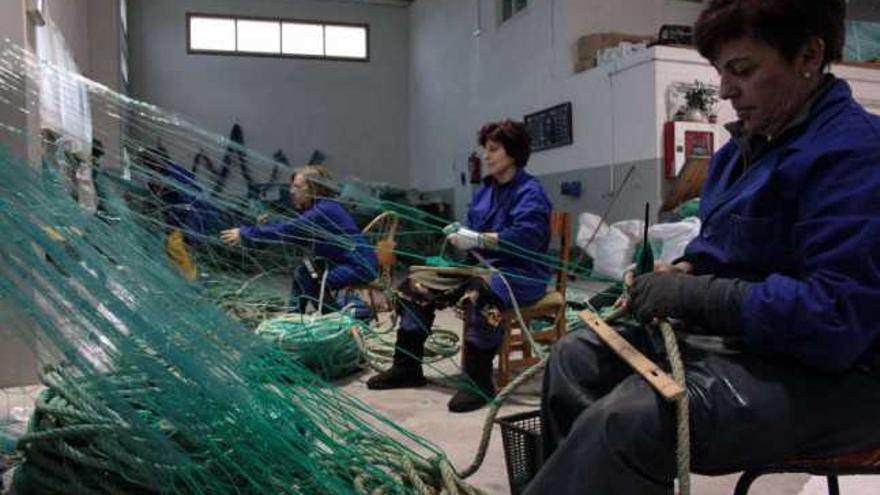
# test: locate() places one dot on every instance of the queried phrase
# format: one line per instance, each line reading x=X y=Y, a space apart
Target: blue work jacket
x=519 y=211
x=183 y=208
x=331 y=233
x=803 y=222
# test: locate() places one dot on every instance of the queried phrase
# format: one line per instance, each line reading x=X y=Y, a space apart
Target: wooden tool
x=659 y=379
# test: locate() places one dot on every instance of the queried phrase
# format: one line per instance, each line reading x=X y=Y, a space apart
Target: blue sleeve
x=297 y=230
x=530 y=226
x=478 y=199
x=827 y=316
x=182 y=176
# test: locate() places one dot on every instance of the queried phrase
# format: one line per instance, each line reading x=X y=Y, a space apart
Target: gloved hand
x=707 y=301
x=657 y=295
x=463 y=238
x=451 y=228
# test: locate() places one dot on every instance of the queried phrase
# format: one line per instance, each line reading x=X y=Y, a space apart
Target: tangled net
x=157 y=383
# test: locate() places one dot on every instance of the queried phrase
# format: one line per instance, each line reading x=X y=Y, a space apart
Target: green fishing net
x=170 y=362
x=153 y=389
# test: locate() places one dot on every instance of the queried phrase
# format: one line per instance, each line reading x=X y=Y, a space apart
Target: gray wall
x=864 y=10
x=13 y=27
x=90 y=28
x=356 y=113
x=91 y=31
x=467 y=69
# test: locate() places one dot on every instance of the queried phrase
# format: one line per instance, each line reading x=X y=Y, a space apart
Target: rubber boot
x=406 y=370
x=477 y=367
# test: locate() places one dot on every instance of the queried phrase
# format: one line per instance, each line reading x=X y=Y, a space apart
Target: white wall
x=13 y=27
x=71 y=18
x=89 y=28
x=356 y=113
x=458 y=81
x=642 y=17
x=17 y=361
x=865 y=85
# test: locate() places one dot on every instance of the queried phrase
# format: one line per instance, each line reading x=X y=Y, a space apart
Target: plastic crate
x=523 y=448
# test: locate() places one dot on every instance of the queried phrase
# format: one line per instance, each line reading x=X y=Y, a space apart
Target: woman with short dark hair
x=322 y=225
x=511 y=209
x=785 y=273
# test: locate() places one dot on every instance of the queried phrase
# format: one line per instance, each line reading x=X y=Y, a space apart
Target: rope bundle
x=324 y=344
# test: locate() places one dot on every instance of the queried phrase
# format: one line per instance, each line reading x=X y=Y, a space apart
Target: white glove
x=464 y=239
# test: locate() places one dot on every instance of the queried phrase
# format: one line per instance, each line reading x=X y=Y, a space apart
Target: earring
x=808 y=75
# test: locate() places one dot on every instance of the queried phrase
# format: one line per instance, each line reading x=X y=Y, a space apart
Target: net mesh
x=143 y=319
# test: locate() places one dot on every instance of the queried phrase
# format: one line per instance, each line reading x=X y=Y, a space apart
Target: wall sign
x=551 y=127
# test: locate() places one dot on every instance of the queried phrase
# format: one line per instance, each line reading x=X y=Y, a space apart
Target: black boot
x=406 y=372
x=477 y=367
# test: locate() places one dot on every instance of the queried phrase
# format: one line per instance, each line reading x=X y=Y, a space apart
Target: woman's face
x=765 y=89
x=299 y=191
x=498 y=162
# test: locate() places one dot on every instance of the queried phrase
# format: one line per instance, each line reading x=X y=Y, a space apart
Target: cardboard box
x=589 y=45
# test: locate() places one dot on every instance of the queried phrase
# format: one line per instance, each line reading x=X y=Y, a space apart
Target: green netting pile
x=153 y=389
x=171 y=177
x=322 y=343
x=144 y=319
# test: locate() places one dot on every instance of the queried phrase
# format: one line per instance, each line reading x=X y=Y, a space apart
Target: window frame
x=281 y=21
x=513 y=12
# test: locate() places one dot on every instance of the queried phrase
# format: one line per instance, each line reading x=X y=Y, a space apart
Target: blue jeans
x=305 y=289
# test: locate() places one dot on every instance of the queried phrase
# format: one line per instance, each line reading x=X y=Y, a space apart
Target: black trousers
x=606 y=431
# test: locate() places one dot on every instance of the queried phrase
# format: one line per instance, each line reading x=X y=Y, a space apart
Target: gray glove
x=705 y=301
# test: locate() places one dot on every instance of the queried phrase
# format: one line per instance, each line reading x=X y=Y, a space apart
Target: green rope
x=324 y=344
x=683 y=436
x=376 y=346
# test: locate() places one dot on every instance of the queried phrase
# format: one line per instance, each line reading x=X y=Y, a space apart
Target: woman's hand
x=682 y=267
x=662 y=294
x=231 y=236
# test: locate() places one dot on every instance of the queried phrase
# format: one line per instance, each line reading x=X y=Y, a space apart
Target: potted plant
x=700 y=100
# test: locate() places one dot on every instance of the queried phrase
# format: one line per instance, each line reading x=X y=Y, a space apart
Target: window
x=344 y=41
x=211 y=34
x=258 y=36
x=510 y=8
x=302 y=39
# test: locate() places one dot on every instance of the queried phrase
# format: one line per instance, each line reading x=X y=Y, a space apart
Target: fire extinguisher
x=475 y=167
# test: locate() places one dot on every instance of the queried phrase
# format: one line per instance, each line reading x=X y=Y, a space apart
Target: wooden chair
x=384 y=228
x=864 y=463
x=516 y=352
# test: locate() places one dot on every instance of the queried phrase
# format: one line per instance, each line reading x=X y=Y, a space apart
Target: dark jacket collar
x=518 y=177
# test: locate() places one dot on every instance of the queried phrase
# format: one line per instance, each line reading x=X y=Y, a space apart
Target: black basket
x=523 y=448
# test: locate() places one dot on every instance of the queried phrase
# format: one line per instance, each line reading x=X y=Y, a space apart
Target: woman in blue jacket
x=328 y=229
x=787 y=264
x=510 y=213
